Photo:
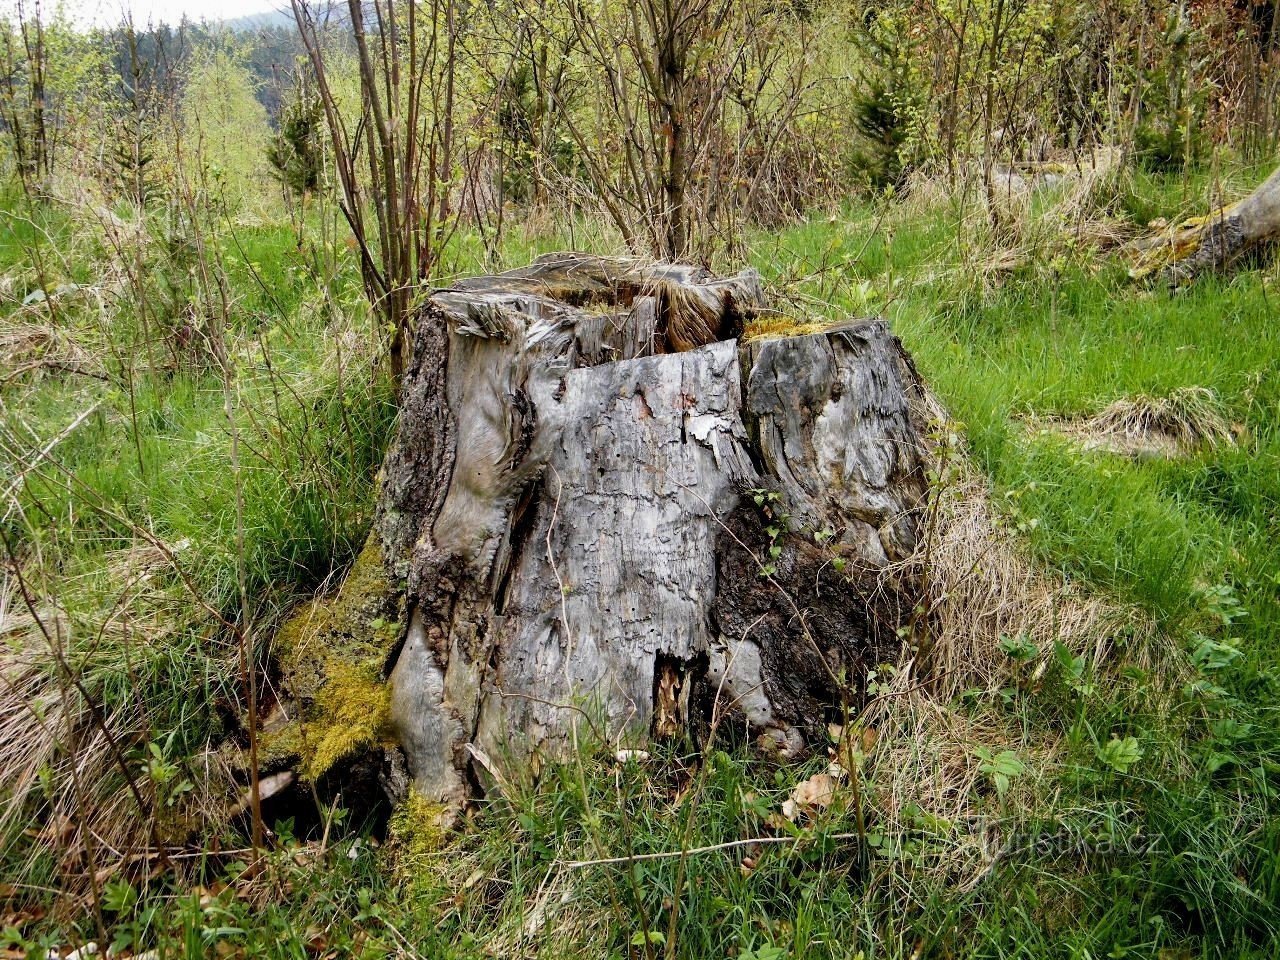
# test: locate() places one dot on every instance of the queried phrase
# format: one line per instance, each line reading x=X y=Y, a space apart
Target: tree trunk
x=613 y=520
x=1213 y=242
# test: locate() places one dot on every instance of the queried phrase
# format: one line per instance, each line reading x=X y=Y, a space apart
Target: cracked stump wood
x=608 y=510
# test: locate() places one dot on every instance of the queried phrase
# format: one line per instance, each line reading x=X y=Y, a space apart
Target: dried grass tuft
x=982 y=586
x=31 y=345
x=50 y=752
x=1188 y=420
x=64 y=753
x=1034 y=213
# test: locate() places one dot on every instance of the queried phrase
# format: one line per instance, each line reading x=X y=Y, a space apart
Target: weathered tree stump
x=603 y=505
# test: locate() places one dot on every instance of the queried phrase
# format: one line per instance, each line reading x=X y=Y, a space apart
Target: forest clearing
x=682 y=479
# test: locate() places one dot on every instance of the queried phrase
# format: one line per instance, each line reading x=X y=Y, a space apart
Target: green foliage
x=226 y=131
x=296 y=151
x=1150 y=830
x=887 y=102
x=524 y=122
x=1003 y=768
x=1120 y=754
x=1020 y=647
x=166 y=776
x=156 y=456
x=132 y=156
x=1174 y=99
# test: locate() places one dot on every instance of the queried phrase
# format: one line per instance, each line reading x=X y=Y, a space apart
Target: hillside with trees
x=683 y=479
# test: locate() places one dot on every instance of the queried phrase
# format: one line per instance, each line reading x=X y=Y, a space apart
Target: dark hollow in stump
x=609 y=512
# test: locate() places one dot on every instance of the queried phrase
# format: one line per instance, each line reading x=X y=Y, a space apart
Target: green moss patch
x=332 y=655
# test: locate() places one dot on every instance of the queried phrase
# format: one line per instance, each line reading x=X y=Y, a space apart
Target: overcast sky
x=110 y=12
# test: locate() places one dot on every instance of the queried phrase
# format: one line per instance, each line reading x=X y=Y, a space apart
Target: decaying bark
x=1213 y=242
x=611 y=512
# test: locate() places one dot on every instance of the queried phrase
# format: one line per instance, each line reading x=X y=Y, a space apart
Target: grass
x=1179 y=538
x=1137 y=815
x=148 y=467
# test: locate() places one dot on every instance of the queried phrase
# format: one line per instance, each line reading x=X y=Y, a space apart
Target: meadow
x=1107 y=799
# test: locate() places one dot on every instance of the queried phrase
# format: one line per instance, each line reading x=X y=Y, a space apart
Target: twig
x=32 y=462
x=692 y=851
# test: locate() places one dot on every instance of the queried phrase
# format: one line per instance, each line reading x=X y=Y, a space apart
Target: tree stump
x=612 y=516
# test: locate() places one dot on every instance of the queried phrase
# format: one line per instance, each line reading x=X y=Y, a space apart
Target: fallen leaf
x=780 y=824
x=316 y=941
x=817 y=791
x=869 y=738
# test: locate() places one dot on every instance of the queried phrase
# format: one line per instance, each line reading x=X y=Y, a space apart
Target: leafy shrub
x=887 y=99
x=1170 y=131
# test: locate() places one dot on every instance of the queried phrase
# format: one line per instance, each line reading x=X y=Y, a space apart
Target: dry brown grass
x=65 y=754
x=54 y=763
x=1042 y=211
x=31 y=344
x=982 y=585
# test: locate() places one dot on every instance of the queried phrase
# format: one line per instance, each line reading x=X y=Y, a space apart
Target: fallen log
x=1214 y=242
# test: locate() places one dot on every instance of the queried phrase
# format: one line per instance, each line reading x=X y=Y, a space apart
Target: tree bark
x=1213 y=242
x=613 y=519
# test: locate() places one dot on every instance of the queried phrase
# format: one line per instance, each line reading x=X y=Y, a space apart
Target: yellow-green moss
x=351 y=711
x=353 y=624
x=417 y=831
x=775 y=325
x=332 y=653
x=1177 y=243
x=276 y=747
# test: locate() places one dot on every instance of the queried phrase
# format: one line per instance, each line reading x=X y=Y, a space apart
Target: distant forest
x=270 y=47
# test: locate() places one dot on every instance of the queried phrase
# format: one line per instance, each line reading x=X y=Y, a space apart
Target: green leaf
x=1210 y=655
x=1119 y=754
x=1003 y=768
x=1020 y=647
x=118 y=896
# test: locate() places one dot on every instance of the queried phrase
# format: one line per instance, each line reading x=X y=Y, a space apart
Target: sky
x=110 y=12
